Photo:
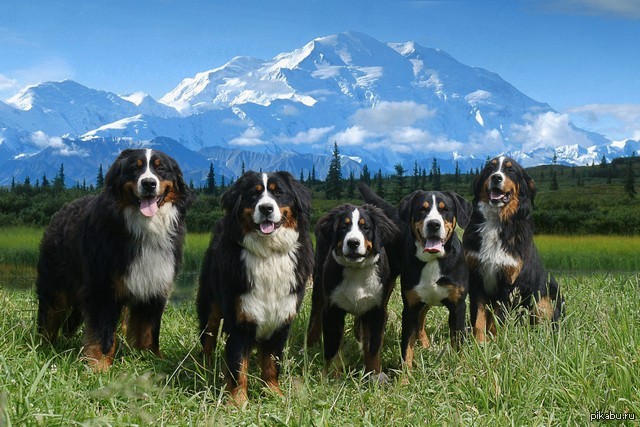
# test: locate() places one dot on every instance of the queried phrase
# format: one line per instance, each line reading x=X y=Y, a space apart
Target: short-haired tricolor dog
x=431 y=262
x=505 y=268
x=120 y=248
x=352 y=276
x=254 y=274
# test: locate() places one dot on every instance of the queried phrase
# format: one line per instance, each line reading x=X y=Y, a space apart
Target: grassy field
x=527 y=376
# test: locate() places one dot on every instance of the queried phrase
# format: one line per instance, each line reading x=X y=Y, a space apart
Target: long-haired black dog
x=120 y=248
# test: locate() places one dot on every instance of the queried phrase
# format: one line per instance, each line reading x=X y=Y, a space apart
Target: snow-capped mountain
x=383 y=103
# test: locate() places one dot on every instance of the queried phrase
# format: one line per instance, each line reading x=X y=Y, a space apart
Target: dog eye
x=277 y=192
x=364 y=227
x=510 y=169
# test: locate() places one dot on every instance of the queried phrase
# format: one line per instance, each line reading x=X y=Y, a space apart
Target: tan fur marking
x=512 y=272
x=157 y=162
x=361 y=221
x=426 y=205
x=480 y=327
x=241 y=315
x=455 y=292
x=441 y=205
x=238 y=386
x=512 y=207
x=269 y=371
x=98 y=362
x=411 y=297
x=288 y=219
x=210 y=338
x=139 y=163
x=422 y=320
x=272 y=186
x=543 y=310
x=246 y=221
x=347 y=220
x=167 y=187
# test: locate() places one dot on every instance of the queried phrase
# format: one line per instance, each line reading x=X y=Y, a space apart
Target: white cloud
x=51 y=69
x=249 y=138
x=616 y=121
x=42 y=140
x=310 y=136
x=386 y=116
x=547 y=130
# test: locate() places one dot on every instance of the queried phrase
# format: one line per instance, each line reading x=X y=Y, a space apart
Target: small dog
x=254 y=274
x=430 y=259
x=352 y=275
x=121 y=248
x=505 y=268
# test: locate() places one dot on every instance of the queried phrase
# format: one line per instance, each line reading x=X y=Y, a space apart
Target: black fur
x=331 y=266
x=495 y=287
x=225 y=279
x=451 y=271
x=88 y=249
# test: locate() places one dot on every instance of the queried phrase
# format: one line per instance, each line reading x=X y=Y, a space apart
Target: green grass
x=527 y=376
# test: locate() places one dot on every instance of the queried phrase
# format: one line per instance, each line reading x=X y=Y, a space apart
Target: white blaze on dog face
x=148 y=187
x=434 y=231
x=354 y=240
x=267 y=212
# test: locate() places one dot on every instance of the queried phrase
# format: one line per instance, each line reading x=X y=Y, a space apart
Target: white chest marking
x=152 y=271
x=492 y=257
x=428 y=290
x=360 y=289
x=271 y=269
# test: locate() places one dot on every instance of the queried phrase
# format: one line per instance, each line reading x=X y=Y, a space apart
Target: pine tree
x=415 y=178
x=45 y=181
x=456 y=176
x=351 y=186
x=58 y=180
x=100 y=178
x=365 y=175
x=210 y=187
x=243 y=171
x=398 y=180
x=435 y=175
x=630 y=181
x=378 y=181
x=334 y=176
x=13 y=183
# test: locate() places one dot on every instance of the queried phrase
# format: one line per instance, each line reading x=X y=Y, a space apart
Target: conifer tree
x=210 y=187
x=630 y=180
x=351 y=185
x=100 y=178
x=334 y=176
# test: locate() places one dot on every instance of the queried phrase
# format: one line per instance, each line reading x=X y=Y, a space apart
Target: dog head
x=263 y=203
x=356 y=233
x=147 y=180
x=504 y=188
x=432 y=217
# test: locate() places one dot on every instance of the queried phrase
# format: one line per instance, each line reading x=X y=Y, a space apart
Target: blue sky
x=580 y=56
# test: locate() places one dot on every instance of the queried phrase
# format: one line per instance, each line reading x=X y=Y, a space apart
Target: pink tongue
x=149 y=206
x=433 y=246
x=496 y=195
x=267 y=227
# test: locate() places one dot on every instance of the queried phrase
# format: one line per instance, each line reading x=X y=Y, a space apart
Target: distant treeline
x=597 y=199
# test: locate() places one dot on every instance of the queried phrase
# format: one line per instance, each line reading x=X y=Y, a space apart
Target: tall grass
x=527 y=376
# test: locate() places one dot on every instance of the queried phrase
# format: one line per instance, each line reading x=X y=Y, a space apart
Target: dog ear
x=230 y=199
x=112 y=179
x=301 y=197
x=326 y=227
x=464 y=208
x=529 y=186
x=187 y=197
x=385 y=229
x=404 y=210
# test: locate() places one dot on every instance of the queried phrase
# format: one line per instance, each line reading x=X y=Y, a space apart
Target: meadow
x=588 y=370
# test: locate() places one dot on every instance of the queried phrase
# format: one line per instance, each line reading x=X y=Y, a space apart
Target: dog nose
x=433 y=226
x=266 y=209
x=496 y=179
x=149 y=184
x=353 y=243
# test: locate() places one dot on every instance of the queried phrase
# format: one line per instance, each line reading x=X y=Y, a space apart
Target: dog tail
x=369 y=196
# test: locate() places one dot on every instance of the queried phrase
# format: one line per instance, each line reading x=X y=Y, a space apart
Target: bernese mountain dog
x=505 y=268
x=254 y=274
x=352 y=275
x=431 y=261
x=120 y=248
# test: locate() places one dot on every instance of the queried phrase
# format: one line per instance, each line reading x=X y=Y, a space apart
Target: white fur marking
x=429 y=292
x=271 y=263
x=266 y=199
x=354 y=234
x=492 y=257
x=152 y=271
x=147 y=173
x=360 y=289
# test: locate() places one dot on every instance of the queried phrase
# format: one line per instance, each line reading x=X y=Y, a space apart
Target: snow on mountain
x=383 y=103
